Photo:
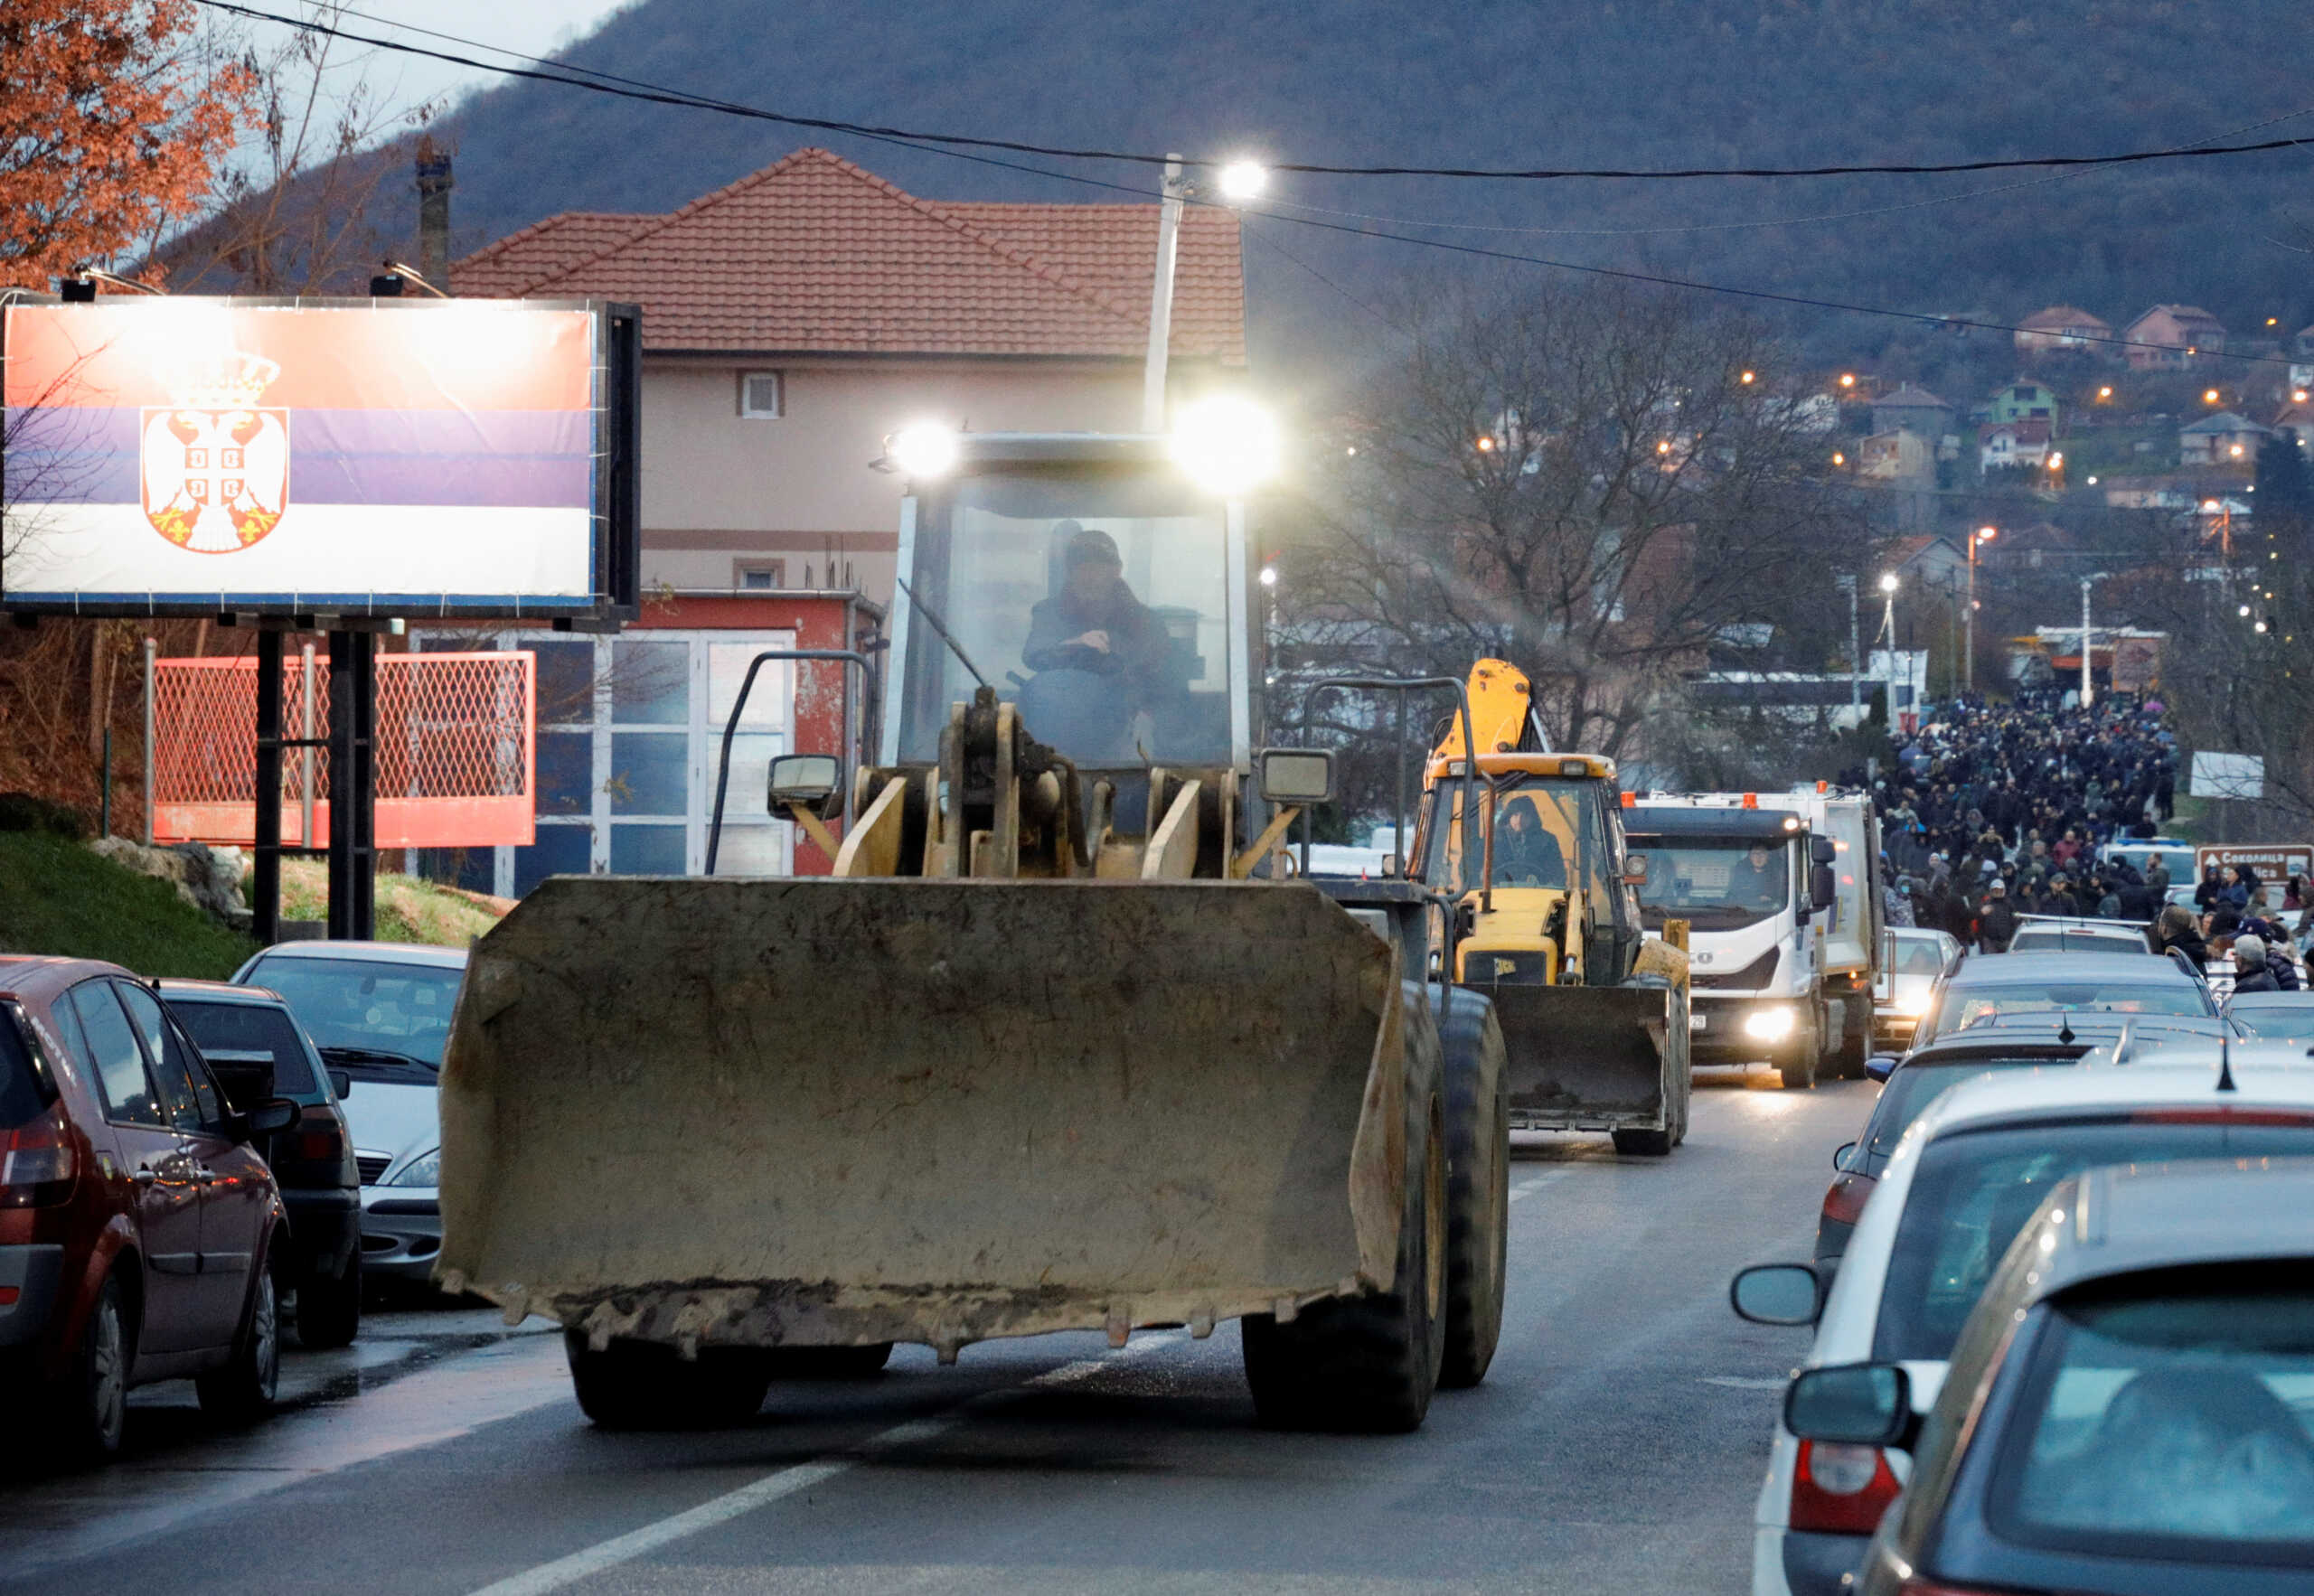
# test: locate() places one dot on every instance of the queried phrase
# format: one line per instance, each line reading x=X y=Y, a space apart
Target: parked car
x=2129 y=1406
x=1923 y=1076
x=1983 y=990
x=2273 y=1017
x=1962 y=1182
x=1913 y=960
x=140 y=1232
x=256 y=1050
x=2052 y=934
x=380 y=1013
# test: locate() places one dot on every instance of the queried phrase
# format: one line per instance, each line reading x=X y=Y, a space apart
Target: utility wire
x=606 y=83
x=930 y=143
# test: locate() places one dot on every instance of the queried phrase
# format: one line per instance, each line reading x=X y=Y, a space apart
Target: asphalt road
x=1616 y=1446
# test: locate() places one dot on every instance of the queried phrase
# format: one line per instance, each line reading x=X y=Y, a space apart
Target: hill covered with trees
x=1623 y=83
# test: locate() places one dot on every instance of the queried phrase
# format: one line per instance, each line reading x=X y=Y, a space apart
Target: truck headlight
x=1768 y=1025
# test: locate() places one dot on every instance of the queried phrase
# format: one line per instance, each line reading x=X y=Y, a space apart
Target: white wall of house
x=727 y=496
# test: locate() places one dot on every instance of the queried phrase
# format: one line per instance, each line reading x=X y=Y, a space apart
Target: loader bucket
x=1590 y=1058
x=843 y=1112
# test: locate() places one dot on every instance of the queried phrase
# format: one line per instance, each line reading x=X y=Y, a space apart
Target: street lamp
x=2088 y=692
x=1969 y=649
x=1241 y=181
x=1888 y=620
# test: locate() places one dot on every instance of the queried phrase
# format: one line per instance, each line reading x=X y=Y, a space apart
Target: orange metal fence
x=456 y=754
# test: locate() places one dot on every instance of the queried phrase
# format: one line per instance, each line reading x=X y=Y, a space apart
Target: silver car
x=1911 y=962
x=380 y=1012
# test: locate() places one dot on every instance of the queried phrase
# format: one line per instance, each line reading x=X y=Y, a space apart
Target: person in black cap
x=1098 y=652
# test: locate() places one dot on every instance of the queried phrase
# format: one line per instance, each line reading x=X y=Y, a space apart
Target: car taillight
x=1840 y=1489
x=314 y=1146
x=36 y=1166
x=1844 y=1203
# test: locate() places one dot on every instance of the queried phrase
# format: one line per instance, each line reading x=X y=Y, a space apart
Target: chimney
x=434 y=185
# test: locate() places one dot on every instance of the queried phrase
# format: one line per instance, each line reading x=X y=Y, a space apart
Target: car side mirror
x=1840 y=1156
x=1635 y=869
x=1851 y=1405
x=1390 y=866
x=1778 y=1294
x=341 y=1082
x=1297 y=776
x=806 y=780
x=275 y=1114
x=1879 y=1067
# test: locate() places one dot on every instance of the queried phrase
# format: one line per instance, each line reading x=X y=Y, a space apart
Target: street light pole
x=1888 y=619
x=2087 y=691
x=1969 y=644
x=1855 y=654
x=1161 y=301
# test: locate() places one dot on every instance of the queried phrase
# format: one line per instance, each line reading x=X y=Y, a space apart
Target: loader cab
x=1090 y=579
x=1544 y=902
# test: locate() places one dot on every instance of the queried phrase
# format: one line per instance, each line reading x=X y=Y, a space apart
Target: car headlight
x=1914 y=1004
x=426 y=1170
x=1768 y=1025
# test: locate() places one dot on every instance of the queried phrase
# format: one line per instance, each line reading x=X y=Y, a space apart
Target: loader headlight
x=1768 y=1025
x=426 y=1170
x=1227 y=445
x=924 y=449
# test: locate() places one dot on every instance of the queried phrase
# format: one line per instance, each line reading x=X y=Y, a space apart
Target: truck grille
x=373 y=1165
x=1751 y=978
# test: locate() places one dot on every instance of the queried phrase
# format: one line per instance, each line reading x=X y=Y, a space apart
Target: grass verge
x=57 y=897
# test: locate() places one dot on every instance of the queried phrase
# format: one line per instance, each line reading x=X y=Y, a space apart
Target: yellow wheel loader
x=1593 y=1012
x=1057 y=1046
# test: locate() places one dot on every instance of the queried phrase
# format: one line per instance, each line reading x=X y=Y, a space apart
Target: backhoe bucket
x=844 y=1112
x=1592 y=1059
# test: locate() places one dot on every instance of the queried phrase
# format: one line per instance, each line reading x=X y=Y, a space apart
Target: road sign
x=2274 y=861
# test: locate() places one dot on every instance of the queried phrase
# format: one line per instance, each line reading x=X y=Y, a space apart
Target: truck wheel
x=829 y=1363
x=641 y=1386
x=1367 y=1365
x=90 y=1404
x=329 y=1311
x=1855 y=1037
x=243 y=1388
x=1799 y=1070
x=1478 y=1187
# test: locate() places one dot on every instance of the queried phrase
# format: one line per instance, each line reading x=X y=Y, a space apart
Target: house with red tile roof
x=2173 y=337
x=793 y=319
x=2063 y=326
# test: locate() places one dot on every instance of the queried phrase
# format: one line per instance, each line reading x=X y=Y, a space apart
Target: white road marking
x=1746 y=1382
x=785 y=1482
x=1533 y=1184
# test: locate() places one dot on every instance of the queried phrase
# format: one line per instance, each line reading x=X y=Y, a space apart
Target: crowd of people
x=1994 y=812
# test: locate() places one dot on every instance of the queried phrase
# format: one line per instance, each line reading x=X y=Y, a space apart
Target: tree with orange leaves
x=114 y=117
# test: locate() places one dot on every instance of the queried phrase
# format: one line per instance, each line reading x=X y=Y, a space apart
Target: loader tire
x=830 y=1363
x=1367 y=1365
x=1478 y=1185
x=641 y=1386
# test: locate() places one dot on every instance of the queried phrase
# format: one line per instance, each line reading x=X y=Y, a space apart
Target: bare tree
x=1598 y=484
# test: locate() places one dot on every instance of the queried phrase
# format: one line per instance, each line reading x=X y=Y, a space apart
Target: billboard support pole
x=353 y=785
x=264 y=888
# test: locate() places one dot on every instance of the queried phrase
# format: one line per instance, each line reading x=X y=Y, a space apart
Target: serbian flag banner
x=377 y=457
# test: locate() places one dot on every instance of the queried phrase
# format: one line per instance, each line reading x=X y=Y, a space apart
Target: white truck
x=1757 y=885
x=1851 y=927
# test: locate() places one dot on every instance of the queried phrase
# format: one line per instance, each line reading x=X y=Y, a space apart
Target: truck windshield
x=1096 y=601
x=1714 y=883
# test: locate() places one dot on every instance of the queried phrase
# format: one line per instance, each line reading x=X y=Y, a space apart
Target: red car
x=140 y=1232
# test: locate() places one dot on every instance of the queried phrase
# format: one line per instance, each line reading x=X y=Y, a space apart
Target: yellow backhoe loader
x=1594 y=1013
x=1057 y=1046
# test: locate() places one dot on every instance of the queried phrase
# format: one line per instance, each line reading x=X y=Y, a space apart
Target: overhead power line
x=628 y=89
x=929 y=143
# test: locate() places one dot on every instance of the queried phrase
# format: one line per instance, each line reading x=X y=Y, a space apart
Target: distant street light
x=1269 y=576
x=1888 y=584
x=2209 y=396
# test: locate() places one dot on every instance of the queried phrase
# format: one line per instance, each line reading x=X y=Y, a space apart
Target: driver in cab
x=1098 y=651
x=1525 y=854
x=1757 y=880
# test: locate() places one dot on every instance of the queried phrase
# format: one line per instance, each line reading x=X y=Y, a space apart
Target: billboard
x=375 y=457
x=2229 y=776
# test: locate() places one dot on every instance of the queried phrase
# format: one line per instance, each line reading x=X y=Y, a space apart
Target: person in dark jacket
x=2249 y=972
x=2176 y=929
x=1997 y=922
x=1098 y=652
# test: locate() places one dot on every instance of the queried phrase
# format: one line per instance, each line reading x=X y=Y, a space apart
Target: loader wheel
x=829 y=1363
x=1478 y=1187
x=641 y=1385
x=1367 y=1365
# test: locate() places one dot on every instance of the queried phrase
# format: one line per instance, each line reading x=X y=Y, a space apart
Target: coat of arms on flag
x=215 y=465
